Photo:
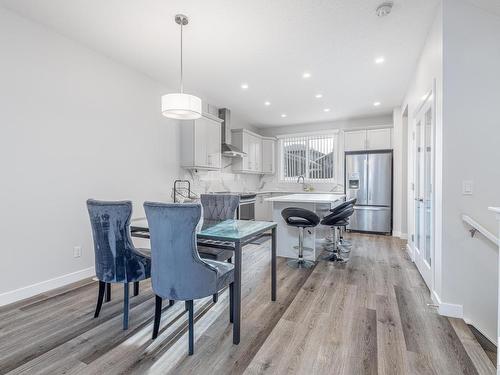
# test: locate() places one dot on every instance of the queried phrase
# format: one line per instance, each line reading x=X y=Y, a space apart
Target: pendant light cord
x=182 y=84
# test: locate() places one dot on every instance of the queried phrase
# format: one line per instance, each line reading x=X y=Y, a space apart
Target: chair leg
x=100 y=296
x=171 y=302
x=191 y=326
x=231 y=302
x=186 y=305
x=156 y=326
x=108 y=292
x=136 y=288
x=125 y=305
x=215 y=297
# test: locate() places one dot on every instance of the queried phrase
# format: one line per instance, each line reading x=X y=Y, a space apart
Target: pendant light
x=181 y=106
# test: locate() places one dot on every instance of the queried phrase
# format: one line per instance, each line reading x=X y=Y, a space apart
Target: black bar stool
x=345 y=244
x=300 y=218
x=335 y=220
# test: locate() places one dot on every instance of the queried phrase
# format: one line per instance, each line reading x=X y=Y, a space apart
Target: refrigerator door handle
x=371 y=208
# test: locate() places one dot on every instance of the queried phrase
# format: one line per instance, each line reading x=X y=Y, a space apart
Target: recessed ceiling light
x=380 y=60
x=306 y=75
x=376 y=104
x=244 y=86
x=283 y=115
x=318 y=96
x=267 y=104
x=326 y=110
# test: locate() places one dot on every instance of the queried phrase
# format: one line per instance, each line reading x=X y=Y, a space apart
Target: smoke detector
x=384 y=9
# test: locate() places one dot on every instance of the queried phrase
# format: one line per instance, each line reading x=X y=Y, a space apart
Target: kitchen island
x=288 y=236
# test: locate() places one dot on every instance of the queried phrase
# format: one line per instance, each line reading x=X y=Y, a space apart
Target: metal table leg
x=237 y=293
x=273 y=264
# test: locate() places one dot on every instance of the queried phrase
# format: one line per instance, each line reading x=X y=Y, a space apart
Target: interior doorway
x=423 y=194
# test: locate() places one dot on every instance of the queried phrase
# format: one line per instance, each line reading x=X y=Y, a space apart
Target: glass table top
x=227 y=230
x=233 y=230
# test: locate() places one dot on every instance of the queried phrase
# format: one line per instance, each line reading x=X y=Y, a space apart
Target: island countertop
x=307 y=198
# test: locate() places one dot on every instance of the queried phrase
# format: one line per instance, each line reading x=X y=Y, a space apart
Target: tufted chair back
x=178 y=272
x=116 y=258
x=219 y=206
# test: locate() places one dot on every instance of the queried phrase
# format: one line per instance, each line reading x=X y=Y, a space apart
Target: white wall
x=462 y=55
x=471 y=133
x=398 y=150
x=74 y=125
x=345 y=124
x=429 y=71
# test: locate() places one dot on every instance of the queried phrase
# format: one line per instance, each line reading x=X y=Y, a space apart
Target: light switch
x=467 y=187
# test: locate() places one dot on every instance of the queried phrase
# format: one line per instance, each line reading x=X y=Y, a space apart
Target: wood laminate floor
x=369 y=316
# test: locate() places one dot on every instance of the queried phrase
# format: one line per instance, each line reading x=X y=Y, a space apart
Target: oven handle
x=247 y=202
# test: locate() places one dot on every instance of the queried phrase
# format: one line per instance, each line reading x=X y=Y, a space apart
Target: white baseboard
x=452 y=310
x=401 y=235
x=435 y=298
x=492 y=339
x=448 y=309
x=409 y=251
x=44 y=286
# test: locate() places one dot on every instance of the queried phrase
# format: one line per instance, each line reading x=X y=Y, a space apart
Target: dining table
x=231 y=235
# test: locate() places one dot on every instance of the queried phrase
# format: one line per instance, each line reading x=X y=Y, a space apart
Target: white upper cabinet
x=259 y=152
x=371 y=139
x=268 y=155
x=201 y=143
x=379 y=139
x=355 y=140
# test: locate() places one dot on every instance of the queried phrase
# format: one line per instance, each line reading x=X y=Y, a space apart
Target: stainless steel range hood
x=227 y=148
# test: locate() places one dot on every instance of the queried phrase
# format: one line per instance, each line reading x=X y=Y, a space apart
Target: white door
x=258 y=154
x=201 y=133
x=268 y=156
x=423 y=238
x=213 y=143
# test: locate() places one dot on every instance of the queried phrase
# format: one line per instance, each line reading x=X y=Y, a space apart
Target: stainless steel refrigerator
x=368 y=177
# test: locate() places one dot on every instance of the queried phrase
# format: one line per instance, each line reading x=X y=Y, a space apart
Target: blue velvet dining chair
x=218 y=207
x=116 y=258
x=178 y=273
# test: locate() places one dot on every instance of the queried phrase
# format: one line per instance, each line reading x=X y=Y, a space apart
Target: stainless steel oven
x=246 y=209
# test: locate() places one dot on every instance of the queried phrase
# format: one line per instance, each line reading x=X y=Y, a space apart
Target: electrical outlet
x=467 y=187
x=77 y=251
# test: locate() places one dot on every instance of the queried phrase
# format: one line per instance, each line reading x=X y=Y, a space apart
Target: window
x=312 y=156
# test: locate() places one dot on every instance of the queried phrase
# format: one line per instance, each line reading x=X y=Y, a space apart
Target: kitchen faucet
x=303 y=182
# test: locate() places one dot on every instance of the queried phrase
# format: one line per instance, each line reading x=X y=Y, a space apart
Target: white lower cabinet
x=263 y=209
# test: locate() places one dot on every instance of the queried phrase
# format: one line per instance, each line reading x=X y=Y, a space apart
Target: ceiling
x=266 y=44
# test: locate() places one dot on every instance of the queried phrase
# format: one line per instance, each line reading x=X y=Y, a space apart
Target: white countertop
x=307 y=198
x=494 y=209
x=284 y=191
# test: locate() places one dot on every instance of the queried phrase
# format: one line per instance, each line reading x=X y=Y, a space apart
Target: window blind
x=311 y=156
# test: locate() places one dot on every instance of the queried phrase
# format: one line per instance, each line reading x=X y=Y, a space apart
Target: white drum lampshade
x=181 y=106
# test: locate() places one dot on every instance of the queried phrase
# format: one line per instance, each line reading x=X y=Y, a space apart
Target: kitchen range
x=246 y=208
